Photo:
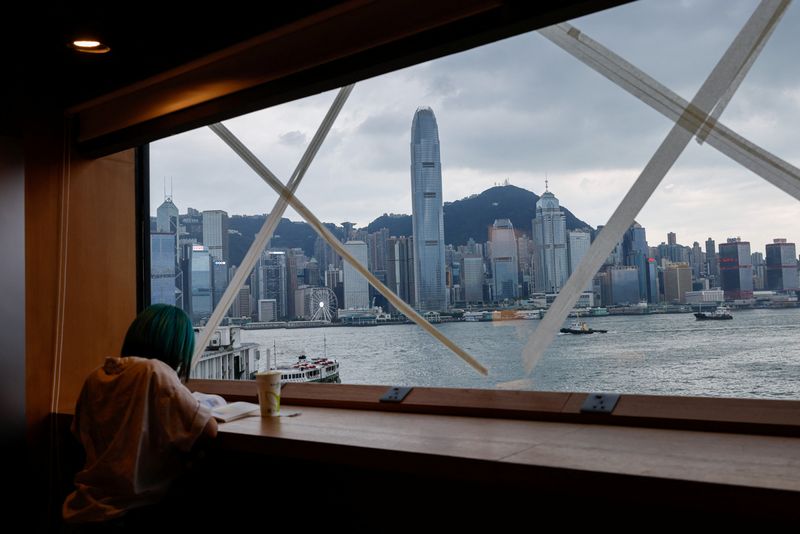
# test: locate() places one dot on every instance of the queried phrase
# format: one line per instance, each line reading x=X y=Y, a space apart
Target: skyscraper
x=163 y=289
x=427 y=214
x=220 y=279
x=579 y=243
x=472 y=278
x=273 y=281
x=677 y=281
x=624 y=285
x=504 y=259
x=711 y=259
x=781 y=265
x=167 y=217
x=201 y=284
x=636 y=254
x=735 y=269
x=759 y=271
x=356 y=287
x=215 y=233
x=550 y=244
x=400 y=268
x=166 y=224
x=696 y=260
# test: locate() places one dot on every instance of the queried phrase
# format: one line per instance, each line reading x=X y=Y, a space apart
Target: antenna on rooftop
x=546 y=185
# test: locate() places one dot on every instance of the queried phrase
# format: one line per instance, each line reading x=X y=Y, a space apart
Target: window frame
x=742 y=415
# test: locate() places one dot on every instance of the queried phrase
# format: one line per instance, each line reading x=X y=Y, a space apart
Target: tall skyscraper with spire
x=550 y=244
x=427 y=215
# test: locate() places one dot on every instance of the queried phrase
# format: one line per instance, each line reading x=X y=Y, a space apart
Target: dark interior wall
x=12 y=288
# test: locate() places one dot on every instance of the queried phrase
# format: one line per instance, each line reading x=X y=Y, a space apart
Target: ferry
x=473 y=317
x=310 y=370
x=720 y=314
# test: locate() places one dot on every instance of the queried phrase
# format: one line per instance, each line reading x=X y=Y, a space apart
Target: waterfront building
x=267 y=310
x=427 y=216
x=504 y=259
x=707 y=296
x=677 y=281
x=215 y=233
x=759 y=271
x=356 y=287
x=472 y=278
x=550 y=244
x=781 y=266
x=735 y=269
x=578 y=243
x=653 y=291
x=201 y=284
x=624 y=285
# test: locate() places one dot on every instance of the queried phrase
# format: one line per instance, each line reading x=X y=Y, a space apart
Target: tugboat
x=720 y=314
x=581 y=328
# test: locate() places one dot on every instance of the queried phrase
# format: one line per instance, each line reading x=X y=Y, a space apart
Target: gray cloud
x=294 y=137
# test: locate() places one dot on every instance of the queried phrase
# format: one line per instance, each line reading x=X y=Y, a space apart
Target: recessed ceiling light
x=90 y=46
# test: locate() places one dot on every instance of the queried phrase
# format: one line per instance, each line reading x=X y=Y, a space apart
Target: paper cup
x=269 y=393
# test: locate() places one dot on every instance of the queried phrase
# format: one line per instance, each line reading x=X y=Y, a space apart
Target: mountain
x=472 y=217
x=288 y=234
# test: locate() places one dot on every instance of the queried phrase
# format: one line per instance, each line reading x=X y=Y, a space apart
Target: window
x=530 y=152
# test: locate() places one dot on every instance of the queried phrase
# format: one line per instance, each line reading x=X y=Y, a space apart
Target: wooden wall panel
x=99 y=281
x=101 y=267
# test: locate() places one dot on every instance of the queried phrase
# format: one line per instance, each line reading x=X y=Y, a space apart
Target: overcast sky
x=520 y=109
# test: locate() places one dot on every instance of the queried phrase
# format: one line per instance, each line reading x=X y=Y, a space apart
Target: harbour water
x=757 y=354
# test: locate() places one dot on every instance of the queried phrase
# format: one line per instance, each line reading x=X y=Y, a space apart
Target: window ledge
x=743 y=416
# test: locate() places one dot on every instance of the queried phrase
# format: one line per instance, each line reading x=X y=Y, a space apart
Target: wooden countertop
x=516 y=448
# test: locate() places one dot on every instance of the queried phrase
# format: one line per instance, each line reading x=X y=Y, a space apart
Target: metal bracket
x=396 y=394
x=600 y=403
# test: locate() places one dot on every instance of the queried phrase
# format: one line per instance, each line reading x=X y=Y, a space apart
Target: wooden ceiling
x=149 y=39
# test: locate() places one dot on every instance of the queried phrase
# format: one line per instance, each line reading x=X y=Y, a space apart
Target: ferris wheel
x=322 y=304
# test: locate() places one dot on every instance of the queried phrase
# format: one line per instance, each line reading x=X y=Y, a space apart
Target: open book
x=223 y=411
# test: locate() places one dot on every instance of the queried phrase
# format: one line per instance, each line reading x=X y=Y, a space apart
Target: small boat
x=581 y=328
x=720 y=314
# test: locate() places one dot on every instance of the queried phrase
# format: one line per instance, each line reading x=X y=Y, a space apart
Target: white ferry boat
x=310 y=370
x=473 y=317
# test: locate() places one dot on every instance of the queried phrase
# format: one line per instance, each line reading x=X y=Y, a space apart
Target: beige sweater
x=134 y=419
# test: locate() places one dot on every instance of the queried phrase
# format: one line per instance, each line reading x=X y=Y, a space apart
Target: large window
x=475 y=187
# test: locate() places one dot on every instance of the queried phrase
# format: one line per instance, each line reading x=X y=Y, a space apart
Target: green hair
x=165 y=333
